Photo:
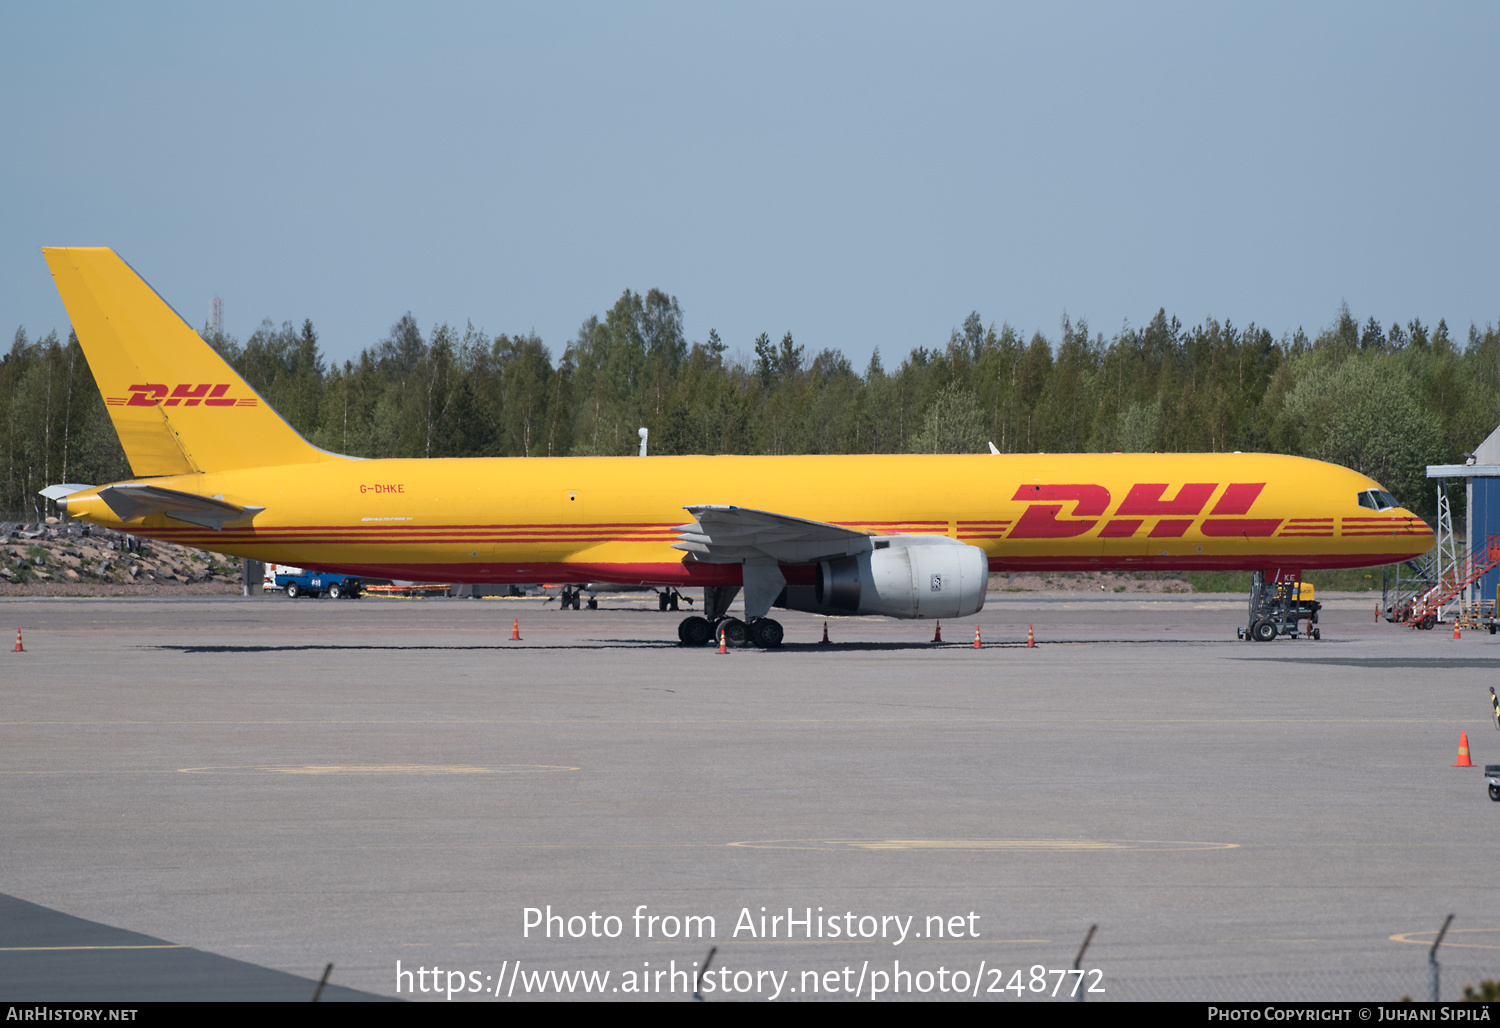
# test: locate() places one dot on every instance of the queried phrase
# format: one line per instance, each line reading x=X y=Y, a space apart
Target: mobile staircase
x=1427 y=607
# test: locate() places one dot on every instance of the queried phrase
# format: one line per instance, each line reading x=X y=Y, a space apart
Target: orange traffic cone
x=976 y=638
x=722 y=647
x=1463 y=751
x=19 y=648
x=1030 y=639
x=515 y=630
x=1455 y=629
x=937 y=634
x=825 y=641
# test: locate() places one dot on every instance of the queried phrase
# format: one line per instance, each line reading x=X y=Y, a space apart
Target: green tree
x=953 y=423
x=1364 y=414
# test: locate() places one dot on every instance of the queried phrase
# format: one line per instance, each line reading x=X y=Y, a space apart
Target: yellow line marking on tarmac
x=375 y=769
x=1413 y=937
x=48 y=949
x=988 y=845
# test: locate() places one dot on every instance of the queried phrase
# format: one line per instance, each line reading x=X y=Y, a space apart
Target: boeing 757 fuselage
x=901 y=535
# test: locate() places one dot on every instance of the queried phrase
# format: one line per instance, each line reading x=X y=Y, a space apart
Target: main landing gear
x=572 y=596
x=668 y=598
x=765 y=633
x=699 y=631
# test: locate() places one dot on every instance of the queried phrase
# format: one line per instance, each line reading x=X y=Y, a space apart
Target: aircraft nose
x=1417 y=526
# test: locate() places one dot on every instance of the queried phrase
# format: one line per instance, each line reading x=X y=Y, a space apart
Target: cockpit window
x=1366 y=499
x=1387 y=501
x=1377 y=499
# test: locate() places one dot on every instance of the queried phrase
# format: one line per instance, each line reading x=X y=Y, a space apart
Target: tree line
x=1384 y=400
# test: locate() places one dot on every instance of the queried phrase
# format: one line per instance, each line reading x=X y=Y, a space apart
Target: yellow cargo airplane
x=907 y=536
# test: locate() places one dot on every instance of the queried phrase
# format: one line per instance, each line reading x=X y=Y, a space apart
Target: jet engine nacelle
x=902 y=577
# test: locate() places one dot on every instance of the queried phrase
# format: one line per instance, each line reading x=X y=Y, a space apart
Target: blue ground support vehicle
x=306 y=582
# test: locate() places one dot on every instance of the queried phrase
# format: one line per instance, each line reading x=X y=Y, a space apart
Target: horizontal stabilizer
x=730 y=535
x=57 y=492
x=138 y=501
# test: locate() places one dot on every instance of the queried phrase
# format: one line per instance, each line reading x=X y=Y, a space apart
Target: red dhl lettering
x=1043 y=518
x=1040 y=520
x=1146 y=500
x=184 y=394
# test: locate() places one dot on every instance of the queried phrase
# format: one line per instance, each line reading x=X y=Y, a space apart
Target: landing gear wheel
x=593 y=604
x=292 y=591
x=1317 y=634
x=672 y=600
x=1263 y=631
x=661 y=601
x=335 y=591
x=734 y=631
x=765 y=633
x=694 y=631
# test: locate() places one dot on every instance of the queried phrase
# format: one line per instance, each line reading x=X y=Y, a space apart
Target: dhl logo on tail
x=152 y=394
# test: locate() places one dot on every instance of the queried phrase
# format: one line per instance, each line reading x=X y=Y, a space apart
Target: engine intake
x=908 y=577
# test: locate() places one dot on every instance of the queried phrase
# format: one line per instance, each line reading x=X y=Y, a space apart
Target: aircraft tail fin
x=177 y=405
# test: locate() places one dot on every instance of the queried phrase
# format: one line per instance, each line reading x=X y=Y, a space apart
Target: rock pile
x=77 y=559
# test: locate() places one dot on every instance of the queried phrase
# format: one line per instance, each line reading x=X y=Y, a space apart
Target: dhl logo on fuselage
x=186 y=394
x=1175 y=515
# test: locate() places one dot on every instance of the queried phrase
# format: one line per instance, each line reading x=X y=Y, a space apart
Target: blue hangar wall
x=1484 y=521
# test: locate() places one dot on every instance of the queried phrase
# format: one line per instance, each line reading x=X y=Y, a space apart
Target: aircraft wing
x=139 y=501
x=732 y=535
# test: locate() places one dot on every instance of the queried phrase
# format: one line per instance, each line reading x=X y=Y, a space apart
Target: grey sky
x=861 y=174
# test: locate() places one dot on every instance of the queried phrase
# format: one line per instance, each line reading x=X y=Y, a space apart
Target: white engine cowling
x=903 y=577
